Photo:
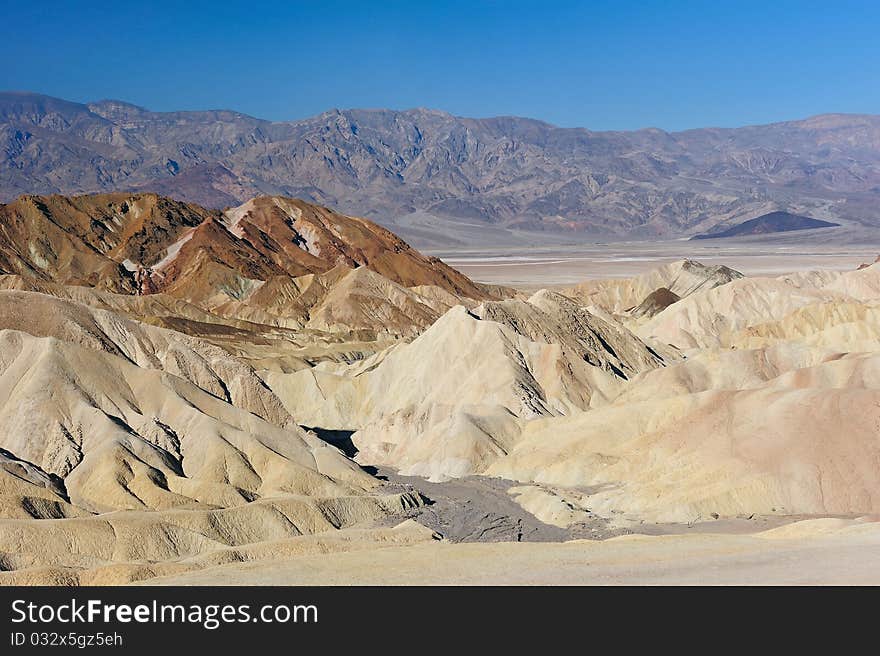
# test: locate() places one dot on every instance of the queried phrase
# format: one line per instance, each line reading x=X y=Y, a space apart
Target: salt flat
x=549 y=266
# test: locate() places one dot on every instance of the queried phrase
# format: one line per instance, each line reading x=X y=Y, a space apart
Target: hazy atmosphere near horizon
x=438 y=293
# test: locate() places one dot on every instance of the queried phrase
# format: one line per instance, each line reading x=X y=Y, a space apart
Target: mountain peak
x=116 y=109
x=143 y=242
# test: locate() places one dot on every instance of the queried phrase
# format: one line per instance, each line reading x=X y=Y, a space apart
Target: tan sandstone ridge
x=721 y=433
x=682 y=278
x=456 y=398
x=102 y=416
x=763 y=416
x=719 y=316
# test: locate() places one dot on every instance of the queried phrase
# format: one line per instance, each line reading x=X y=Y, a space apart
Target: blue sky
x=602 y=65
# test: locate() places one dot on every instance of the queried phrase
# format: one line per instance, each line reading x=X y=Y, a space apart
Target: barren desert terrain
x=563 y=265
x=281 y=393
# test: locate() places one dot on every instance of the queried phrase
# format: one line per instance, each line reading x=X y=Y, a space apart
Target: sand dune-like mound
x=862 y=284
x=775 y=448
x=682 y=278
x=843 y=325
x=210 y=368
x=294 y=321
x=345 y=299
x=709 y=319
x=143 y=308
x=429 y=407
x=364 y=299
x=555 y=319
x=724 y=369
x=27 y=492
x=178 y=535
x=716 y=316
x=123 y=436
x=172 y=470
x=455 y=398
x=260 y=337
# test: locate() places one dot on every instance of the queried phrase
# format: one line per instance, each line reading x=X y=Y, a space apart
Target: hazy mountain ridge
x=505 y=171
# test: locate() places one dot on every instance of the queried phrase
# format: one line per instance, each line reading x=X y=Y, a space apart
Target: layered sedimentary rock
x=455 y=398
x=194 y=388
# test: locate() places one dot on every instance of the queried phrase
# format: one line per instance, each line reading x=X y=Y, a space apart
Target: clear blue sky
x=602 y=65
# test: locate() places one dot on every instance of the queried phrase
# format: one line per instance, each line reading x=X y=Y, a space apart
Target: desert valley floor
x=281 y=394
x=563 y=266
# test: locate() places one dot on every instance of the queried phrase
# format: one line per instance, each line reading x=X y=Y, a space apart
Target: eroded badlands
x=281 y=393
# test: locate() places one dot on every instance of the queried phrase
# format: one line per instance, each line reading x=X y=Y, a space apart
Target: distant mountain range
x=498 y=174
